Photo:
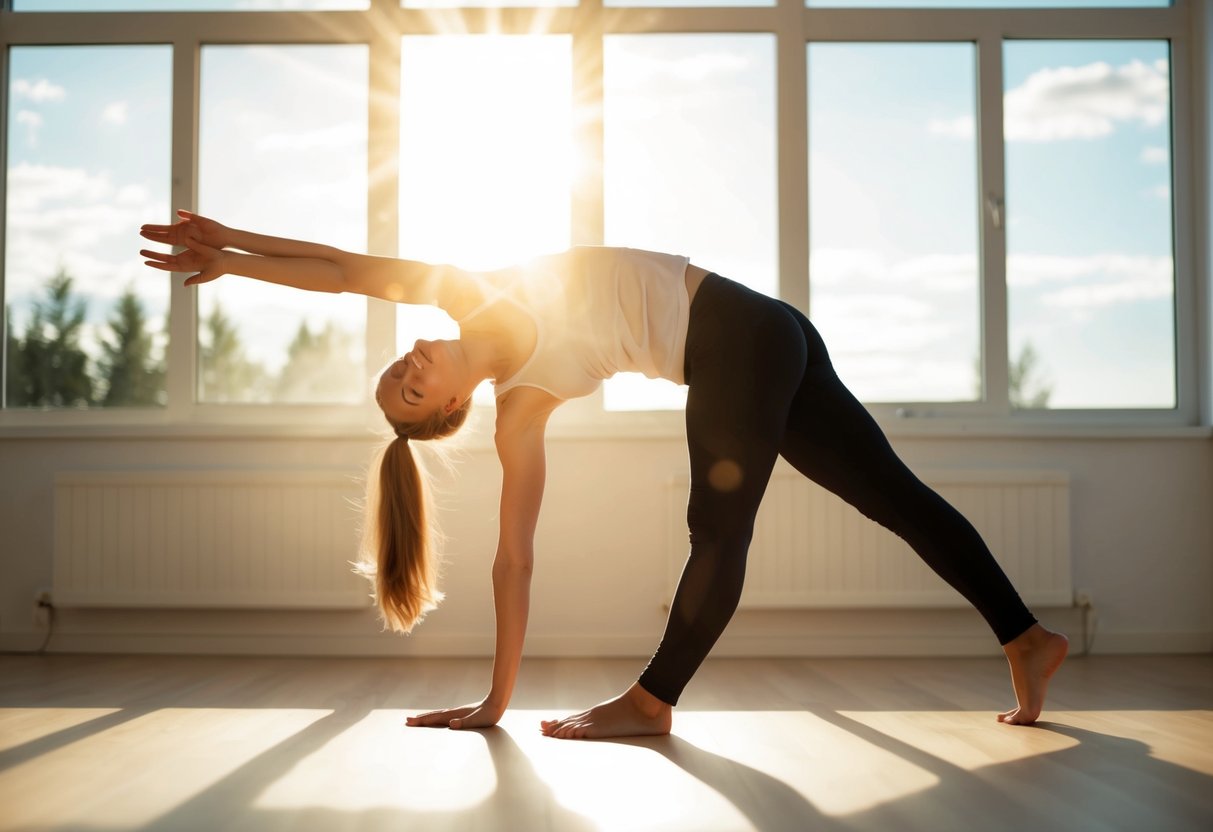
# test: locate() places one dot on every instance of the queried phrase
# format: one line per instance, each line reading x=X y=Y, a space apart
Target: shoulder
x=521 y=412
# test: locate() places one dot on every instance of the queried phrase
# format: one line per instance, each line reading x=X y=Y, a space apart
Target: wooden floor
x=118 y=743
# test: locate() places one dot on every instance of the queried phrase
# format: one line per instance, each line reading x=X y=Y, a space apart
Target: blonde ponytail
x=399 y=540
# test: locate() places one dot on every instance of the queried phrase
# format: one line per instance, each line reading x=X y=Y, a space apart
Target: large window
x=1090 y=275
x=681 y=178
x=986 y=206
x=893 y=218
x=291 y=119
x=88 y=161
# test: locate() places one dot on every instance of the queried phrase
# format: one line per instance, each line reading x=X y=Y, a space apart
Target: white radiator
x=206 y=539
x=811 y=549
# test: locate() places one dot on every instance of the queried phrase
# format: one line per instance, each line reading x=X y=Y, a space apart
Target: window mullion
x=4 y=358
x=792 y=152
x=181 y=378
x=383 y=184
x=589 y=191
x=992 y=208
x=587 y=206
x=1184 y=239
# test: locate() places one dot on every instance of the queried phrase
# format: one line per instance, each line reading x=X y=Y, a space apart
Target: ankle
x=1030 y=639
x=647 y=703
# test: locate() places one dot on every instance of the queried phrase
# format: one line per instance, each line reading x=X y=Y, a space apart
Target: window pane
x=893 y=217
x=283 y=152
x=486 y=156
x=1090 y=278
x=689 y=164
x=185 y=5
x=86 y=318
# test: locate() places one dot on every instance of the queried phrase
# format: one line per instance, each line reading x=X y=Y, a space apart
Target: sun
x=487 y=160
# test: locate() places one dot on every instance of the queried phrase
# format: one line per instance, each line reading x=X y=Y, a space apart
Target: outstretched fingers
x=164 y=262
x=157 y=233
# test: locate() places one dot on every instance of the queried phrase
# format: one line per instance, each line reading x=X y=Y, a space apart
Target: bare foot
x=1034 y=657
x=634 y=713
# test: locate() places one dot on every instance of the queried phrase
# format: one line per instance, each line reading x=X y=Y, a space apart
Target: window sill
x=576 y=428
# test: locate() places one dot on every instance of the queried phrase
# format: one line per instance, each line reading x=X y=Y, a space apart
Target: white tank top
x=598 y=311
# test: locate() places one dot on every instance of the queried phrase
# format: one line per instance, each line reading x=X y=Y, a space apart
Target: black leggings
x=762 y=386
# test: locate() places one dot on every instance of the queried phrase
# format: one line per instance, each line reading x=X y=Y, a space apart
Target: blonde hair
x=399 y=550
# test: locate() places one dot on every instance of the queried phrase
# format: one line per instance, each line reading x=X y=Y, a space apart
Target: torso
x=518 y=329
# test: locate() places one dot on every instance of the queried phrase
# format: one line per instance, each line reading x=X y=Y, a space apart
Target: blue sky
x=88 y=163
x=894 y=197
x=893 y=185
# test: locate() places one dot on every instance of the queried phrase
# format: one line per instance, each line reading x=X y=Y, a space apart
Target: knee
x=717 y=531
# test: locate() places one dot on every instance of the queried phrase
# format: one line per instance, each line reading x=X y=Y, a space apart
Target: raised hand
x=468 y=716
x=205 y=261
x=190 y=227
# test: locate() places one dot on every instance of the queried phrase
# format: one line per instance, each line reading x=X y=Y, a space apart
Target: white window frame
x=381 y=26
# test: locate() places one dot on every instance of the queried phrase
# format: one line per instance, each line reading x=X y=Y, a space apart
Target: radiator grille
x=206 y=539
x=812 y=550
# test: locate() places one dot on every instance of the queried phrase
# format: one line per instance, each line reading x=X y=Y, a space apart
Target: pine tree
x=133 y=376
x=319 y=367
x=227 y=375
x=1027 y=389
x=14 y=376
x=53 y=368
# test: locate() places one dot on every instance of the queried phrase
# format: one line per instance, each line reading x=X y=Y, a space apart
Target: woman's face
x=421 y=381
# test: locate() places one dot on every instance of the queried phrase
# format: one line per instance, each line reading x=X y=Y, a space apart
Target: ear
x=451 y=406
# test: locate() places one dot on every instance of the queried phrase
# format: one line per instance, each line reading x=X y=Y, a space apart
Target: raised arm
x=212 y=249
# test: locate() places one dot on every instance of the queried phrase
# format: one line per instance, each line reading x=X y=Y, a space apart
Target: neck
x=484 y=356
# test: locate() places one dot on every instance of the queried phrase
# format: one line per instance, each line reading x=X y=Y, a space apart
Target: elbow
x=513 y=564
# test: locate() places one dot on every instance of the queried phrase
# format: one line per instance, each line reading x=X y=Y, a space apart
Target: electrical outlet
x=1082 y=598
x=42 y=605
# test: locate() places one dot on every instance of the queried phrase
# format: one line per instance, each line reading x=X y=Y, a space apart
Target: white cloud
x=938 y=272
x=1154 y=155
x=1086 y=102
x=38 y=91
x=868 y=269
x=32 y=122
x=115 y=113
x=32 y=186
x=1092 y=282
x=1143 y=286
x=132 y=195
x=82 y=221
x=1034 y=269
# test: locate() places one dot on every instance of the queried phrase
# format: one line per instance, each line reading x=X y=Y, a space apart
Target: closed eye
x=415 y=393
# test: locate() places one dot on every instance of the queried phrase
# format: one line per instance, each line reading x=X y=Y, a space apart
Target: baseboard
x=1152 y=643
x=908 y=644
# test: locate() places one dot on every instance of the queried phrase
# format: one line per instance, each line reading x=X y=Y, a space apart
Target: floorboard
x=113 y=743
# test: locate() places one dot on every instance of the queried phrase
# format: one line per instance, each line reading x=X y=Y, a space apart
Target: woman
x=760 y=386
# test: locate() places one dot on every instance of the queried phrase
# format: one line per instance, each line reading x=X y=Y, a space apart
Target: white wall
x=1142 y=540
